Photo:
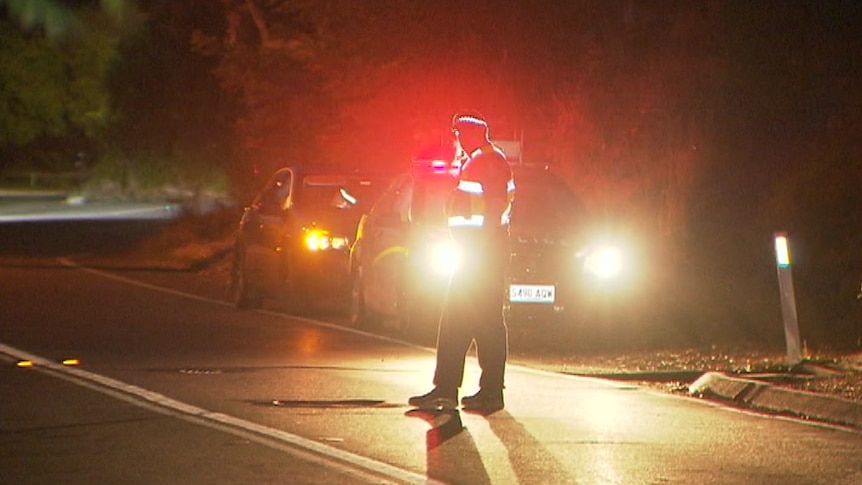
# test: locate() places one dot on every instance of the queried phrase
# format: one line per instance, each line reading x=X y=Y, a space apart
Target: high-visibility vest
x=467 y=206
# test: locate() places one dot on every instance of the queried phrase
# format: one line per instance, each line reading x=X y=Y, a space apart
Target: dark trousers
x=474 y=312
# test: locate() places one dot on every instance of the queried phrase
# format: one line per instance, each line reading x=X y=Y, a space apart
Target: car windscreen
x=338 y=192
x=542 y=201
x=429 y=199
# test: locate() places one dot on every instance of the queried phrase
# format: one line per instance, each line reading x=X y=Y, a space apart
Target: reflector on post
x=788 y=299
x=782 y=251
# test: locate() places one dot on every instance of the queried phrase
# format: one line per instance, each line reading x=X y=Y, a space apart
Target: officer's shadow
x=452 y=455
x=528 y=457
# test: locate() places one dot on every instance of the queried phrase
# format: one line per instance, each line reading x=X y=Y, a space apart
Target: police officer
x=478 y=213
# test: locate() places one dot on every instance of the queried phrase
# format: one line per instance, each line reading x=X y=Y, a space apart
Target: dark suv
x=402 y=256
x=294 y=238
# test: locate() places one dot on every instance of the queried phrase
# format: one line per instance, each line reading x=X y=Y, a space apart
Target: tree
x=631 y=121
x=54 y=17
x=354 y=84
x=34 y=87
x=171 y=116
x=53 y=102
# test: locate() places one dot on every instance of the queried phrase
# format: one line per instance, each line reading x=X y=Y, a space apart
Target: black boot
x=486 y=401
x=437 y=399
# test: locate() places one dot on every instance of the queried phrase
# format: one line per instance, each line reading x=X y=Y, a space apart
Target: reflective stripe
x=472 y=221
x=471 y=120
x=506 y=217
x=469 y=202
x=470 y=187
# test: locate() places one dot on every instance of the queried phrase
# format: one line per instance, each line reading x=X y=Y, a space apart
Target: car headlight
x=321 y=240
x=444 y=257
x=604 y=262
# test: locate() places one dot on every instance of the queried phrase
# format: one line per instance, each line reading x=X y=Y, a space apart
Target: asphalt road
x=58 y=429
x=175 y=386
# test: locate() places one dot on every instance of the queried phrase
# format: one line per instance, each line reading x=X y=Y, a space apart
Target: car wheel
x=360 y=315
x=244 y=297
x=292 y=293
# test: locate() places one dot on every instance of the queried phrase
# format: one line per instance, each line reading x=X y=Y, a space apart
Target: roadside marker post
x=788 y=298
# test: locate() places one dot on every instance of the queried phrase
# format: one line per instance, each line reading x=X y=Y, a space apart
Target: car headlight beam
x=604 y=262
x=444 y=257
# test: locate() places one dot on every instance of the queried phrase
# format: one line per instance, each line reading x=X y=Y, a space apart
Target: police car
x=402 y=256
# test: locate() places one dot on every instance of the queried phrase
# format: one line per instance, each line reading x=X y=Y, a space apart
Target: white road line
x=344 y=461
x=319 y=323
x=294 y=444
x=192 y=296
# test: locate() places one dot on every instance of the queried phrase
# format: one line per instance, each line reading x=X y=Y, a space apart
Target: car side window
x=392 y=206
x=274 y=197
x=429 y=200
x=403 y=198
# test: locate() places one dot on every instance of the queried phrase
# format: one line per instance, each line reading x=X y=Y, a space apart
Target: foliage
x=55 y=17
x=788 y=160
x=34 y=87
x=167 y=104
x=53 y=102
x=619 y=113
x=632 y=128
x=52 y=16
x=151 y=176
x=672 y=119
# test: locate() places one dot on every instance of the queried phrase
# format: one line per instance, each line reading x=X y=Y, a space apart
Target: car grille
x=540 y=260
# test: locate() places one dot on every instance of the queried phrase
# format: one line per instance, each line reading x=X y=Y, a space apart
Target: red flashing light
x=436 y=160
x=435 y=167
x=439 y=166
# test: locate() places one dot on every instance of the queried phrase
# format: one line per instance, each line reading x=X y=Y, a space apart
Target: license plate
x=531 y=293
